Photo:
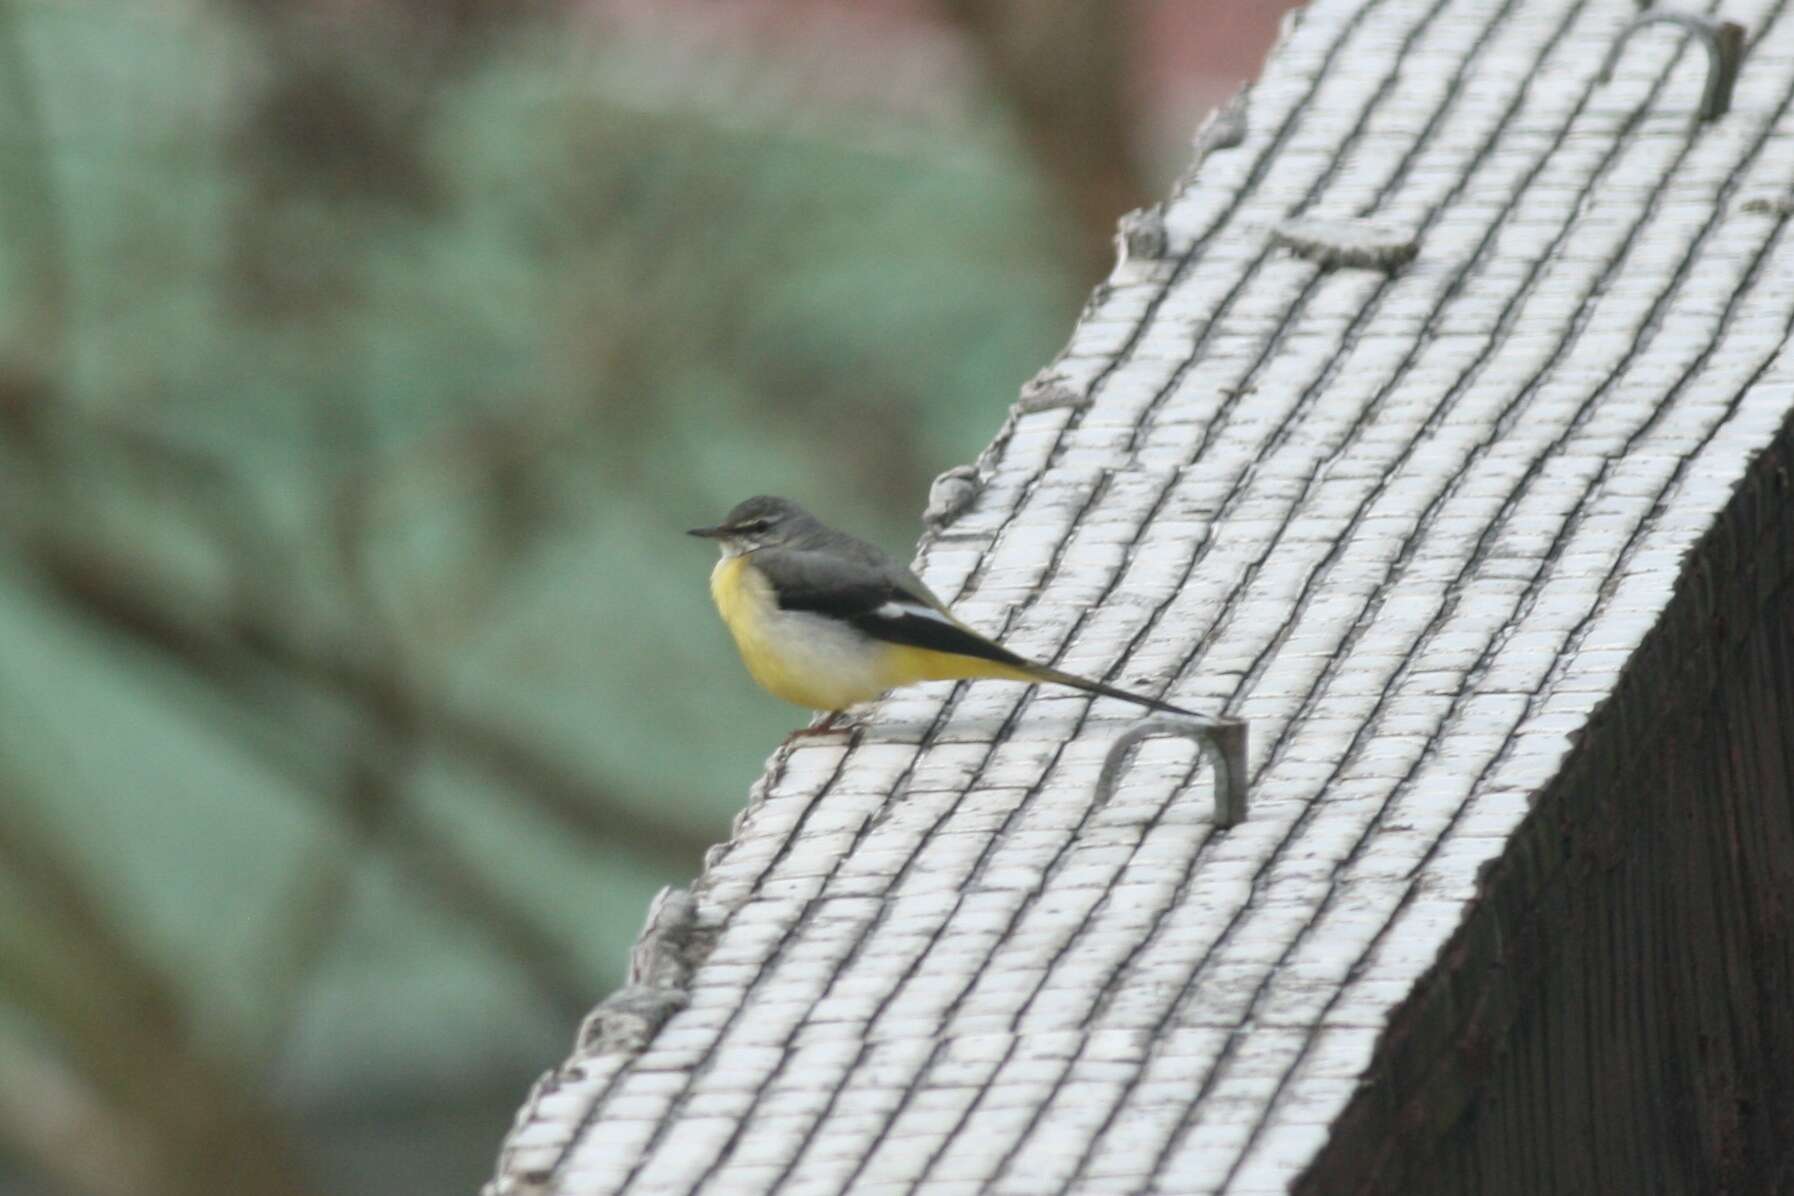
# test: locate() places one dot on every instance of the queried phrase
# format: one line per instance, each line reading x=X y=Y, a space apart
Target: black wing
x=874 y=602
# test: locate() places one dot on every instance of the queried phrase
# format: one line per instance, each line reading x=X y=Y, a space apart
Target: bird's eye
x=754 y=527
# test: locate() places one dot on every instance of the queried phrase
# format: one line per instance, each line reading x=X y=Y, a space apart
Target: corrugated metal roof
x=1411 y=523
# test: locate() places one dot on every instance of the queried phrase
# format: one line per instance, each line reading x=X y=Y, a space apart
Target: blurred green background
x=360 y=365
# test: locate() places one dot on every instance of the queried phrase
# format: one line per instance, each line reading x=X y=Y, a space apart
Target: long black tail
x=1041 y=672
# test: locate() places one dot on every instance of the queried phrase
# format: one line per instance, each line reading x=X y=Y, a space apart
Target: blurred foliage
x=360 y=365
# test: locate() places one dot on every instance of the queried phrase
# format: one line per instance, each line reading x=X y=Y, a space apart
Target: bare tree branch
x=51 y=1117
x=122 y=596
x=36 y=230
x=1062 y=70
x=124 y=1022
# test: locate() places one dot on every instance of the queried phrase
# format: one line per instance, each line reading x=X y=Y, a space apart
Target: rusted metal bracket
x=1140 y=235
x=1359 y=243
x=1047 y=391
x=1222 y=740
x=949 y=496
x=1724 y=41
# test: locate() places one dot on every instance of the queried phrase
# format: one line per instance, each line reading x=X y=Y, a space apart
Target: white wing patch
x=912 y=610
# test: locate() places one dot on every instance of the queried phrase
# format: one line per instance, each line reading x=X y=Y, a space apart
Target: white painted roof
x=1410 y=524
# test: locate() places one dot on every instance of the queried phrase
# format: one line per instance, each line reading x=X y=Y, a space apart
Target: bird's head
x=759 y=522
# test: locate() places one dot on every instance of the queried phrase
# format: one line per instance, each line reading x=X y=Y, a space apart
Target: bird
x=825 y=620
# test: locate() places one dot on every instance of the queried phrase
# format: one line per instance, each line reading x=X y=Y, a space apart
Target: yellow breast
x=742 y=596
x=820 y=662
x=803 y=658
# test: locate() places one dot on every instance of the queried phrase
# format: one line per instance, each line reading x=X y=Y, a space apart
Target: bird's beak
x=708 y=533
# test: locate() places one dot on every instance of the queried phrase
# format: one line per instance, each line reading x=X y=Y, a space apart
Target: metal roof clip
x=1724 y=41
x=1222 y=740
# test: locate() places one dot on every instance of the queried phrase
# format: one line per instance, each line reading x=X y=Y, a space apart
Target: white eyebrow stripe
x=907 y=610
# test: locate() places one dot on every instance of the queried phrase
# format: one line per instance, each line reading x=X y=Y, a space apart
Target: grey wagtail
x=825 y=620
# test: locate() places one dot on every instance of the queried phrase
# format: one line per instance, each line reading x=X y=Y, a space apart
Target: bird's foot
x=826 y=726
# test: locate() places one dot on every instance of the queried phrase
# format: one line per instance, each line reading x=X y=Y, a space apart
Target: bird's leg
x=821 y=728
